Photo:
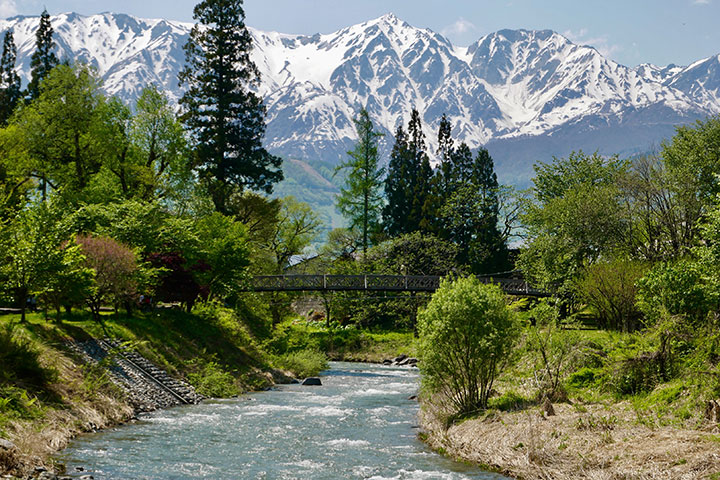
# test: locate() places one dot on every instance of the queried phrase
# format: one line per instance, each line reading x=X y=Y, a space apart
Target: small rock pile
x=401 y=361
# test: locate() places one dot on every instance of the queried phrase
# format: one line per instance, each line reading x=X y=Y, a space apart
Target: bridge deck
x=377 y=283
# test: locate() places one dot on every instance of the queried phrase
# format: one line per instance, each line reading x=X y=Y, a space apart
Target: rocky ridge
x=525 y=94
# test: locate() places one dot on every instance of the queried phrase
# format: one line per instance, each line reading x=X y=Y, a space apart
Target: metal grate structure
x=378 y=283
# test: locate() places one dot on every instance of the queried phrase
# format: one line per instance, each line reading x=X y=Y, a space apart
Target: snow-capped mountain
x=526 y=95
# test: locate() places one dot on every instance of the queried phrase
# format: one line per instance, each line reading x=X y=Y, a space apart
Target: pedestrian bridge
x=376 y=283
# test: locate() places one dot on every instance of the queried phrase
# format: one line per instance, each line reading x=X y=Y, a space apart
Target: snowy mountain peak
x=509 y=86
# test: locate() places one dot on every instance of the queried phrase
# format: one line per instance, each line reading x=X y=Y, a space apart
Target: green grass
x=212 y=348
x=348 y=344
x=613 y=367
x=302 y=363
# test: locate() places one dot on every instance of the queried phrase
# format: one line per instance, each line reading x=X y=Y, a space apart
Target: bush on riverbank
x=466 y=332
x=302 y=363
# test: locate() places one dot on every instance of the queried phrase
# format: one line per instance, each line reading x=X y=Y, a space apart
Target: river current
x=360 y=424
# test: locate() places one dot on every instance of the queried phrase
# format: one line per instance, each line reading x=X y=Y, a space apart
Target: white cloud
x=8 y=8
x=601 y=43
x=459 y=27
x=701 y=2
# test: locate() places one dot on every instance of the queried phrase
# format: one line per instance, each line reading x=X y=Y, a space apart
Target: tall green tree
x=160 y=144
x=409 y=186
x=423 y=207
x=293 y=232
x=494 y=255
x=360 y=200
x=10 y=85
x=226 y=120
x=577 y=218
x=398 y=186
x=62 y=129
x=43 y=59
x=32 y=253
x=445 y=153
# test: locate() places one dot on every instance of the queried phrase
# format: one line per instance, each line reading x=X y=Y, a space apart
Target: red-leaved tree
x=116 y=272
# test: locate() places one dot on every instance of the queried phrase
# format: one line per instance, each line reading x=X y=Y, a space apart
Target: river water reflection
x=358 y=424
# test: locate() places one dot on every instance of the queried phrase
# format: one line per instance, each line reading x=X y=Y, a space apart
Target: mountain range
x=526 y=95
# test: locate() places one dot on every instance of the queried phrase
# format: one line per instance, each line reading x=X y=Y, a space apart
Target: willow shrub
x=466 y=332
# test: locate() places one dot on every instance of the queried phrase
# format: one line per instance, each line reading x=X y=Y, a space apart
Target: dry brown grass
x=594 y=442
x=80 y=410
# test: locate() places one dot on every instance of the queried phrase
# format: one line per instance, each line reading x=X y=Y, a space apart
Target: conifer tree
x=225 y=118
x=494 y=257
x=410 y=186
x=423 y=207
x=461 y=166
x=470 y=213
x=9 y=79
x=360 y=199
x=398 y=187
x=445 y=153
x=43 y=58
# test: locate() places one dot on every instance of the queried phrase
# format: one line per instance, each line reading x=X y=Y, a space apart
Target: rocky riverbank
x=579 y=441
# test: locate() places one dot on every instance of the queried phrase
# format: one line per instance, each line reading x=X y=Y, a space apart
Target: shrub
x=610 y=289
x=585 y=377
x=639 y=374
x=674 y=289
x=509 y=401
x=211 y=380
x=116 y=272
x=303 y=363
x=466 y=332
x=555 y=353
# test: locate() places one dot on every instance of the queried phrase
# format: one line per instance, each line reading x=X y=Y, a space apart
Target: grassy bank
x=47 y=395
x=349 y=344
x=623 y=406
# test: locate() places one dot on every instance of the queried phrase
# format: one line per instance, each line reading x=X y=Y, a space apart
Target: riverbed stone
x=312 y=381
x=6 y=444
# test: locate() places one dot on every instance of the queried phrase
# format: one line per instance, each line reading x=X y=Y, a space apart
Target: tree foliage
x=60 y=131
x=34 y=257
x=225 y=118
x=360 y=200
x=610 y=288
x=466 y=332
x=116 y=272
x=43 y=59
x=577 y=216
x=10 y=86
x=409 y=186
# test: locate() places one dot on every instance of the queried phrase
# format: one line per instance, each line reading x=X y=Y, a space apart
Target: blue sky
x=628 y=31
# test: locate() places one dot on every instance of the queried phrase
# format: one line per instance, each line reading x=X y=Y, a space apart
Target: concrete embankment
x=147 y=387
x=140 y=385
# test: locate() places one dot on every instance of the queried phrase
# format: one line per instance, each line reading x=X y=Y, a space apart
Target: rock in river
x=312 y=381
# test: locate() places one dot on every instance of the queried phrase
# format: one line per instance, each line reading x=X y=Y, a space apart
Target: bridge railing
x=397 y=283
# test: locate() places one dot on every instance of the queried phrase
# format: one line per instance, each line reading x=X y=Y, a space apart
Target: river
x=360 y=424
